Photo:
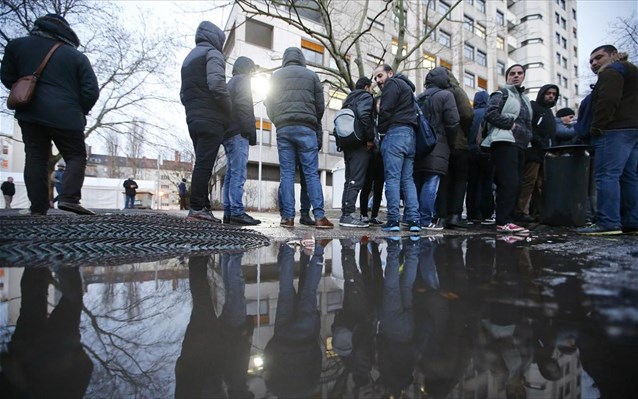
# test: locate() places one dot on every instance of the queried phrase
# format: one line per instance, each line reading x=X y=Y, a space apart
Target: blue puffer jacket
x=480 y=106
x=204 y=92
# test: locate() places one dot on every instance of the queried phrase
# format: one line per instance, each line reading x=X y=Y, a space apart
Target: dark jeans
x=37 y=146
x=207 y=137
x=456 y=181
x=480 y=194
x=374 y=178
x=509 y=163
x=356 y=160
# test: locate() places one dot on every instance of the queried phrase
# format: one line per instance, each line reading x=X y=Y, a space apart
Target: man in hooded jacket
x=439 y=107
x=65 y=93
x=205 y=97
x=543 y=135
x=240 y=133
x=296 y=105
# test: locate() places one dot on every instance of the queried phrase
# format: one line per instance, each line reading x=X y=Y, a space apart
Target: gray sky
x=595 y=18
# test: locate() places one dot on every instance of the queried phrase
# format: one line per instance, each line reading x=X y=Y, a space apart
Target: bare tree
x=349 y=37
x=625 y=34
x=112 y=143
x=135 y=142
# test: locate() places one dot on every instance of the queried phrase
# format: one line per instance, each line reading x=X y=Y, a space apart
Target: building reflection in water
x=413 y=317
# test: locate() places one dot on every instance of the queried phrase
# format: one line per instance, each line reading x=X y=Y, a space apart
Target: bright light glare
x=260 y=86
x=258 y=361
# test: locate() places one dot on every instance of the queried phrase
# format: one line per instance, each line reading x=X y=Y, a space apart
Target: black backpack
x=347 y=128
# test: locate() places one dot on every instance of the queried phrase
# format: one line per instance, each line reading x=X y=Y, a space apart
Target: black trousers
x=356 y=160
x=509 y=163
x=374 y=181
x=207 y=136
x=480 y=194
x=37 y=146
x=457 y=181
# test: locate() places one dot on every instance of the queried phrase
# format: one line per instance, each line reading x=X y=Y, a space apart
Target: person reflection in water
x=215 y=350
x=45 y=357
x=292 y=357
x=353 y=328
x=395 y=339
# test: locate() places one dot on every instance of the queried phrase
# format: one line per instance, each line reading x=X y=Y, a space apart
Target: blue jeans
x=616 y=171
x=397 y=150
x=293 y=142
x=236 y=149
x=129 y=202
x=427 y=186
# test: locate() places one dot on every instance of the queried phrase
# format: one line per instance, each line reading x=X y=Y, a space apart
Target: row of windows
x=560 y=40
x=480 y=57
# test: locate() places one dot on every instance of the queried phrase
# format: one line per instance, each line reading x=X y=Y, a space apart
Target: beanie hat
x=507 y=72
x=565 y=112
x=57 y=17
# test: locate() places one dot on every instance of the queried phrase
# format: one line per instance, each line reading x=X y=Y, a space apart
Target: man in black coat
x=543 y=133
x=240 y=133
x=8 y=191
x=130 y=190
x=65 y=93
x=205 y=97
x=357 y=156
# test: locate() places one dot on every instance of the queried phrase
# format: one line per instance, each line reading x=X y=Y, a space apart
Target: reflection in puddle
x=412 y=317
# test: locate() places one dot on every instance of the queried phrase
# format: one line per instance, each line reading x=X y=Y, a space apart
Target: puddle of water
x=413 y=317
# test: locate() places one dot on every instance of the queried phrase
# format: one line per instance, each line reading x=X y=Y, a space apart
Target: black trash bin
x=565 y=185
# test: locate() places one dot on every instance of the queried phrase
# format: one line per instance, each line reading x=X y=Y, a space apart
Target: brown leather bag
x=22 y=90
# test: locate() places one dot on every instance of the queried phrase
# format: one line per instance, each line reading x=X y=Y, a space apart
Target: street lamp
x=260 y=84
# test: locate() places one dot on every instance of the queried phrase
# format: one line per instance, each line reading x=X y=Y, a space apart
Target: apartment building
x=476 y=41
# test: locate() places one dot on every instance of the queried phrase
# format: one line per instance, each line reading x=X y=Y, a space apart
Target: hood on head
x=541 y=93
x=243 y=65
x=293 y=56
x=452 y=80
x=406 y=80
x=57 y=27
x=208 y=32
x=438 y=77
x=480 y=99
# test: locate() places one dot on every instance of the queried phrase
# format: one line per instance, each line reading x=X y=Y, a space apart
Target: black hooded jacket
x=480 y=106
x=543 y=125
x=204 y=93
x=296 y=95
x=363 y=101
x=397 y=104
x=242 y=120
x=439 y=106
x=67 y=89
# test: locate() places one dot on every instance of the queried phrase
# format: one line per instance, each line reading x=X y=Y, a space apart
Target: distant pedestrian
x=130 y=190
x=56 y=177
x=614 y=136
x=182 y=190
x=240 y=134
x=296 y=105
x=8 y=191
x=205 y=97
x=65 y=93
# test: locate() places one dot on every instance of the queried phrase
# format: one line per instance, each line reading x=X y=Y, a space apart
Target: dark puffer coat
x=242 y=119
x=480 y=106
x=204 y=92
x=438 y=105
x=67 y=89
x=466 y=113
x=296 y=95
x=364 y=103
x=543 y=125
x=397 y=104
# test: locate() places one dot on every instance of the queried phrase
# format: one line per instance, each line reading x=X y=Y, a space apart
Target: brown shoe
x=324 y=223
x=287 y=222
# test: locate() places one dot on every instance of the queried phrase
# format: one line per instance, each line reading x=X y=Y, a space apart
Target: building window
x=259 y=33
x=395 y=46
x=468 y=23
x=500 y=18
x=470 y=2
x=468 y=80
x=534 y=65
x=557 y=36
x=565 y=102
x=445 y=39
x=564 y=41
x=431 y=4
x=267 y=129
x=376 y=24
x=559 y=78
x=429 y=61
x=336 y=99
x=562 y=4
x=480 y=5
x=564 y=60
x=576 y=89
x=576 y=70
x=532 y=17
x=482 y=83
x=558 y=58
x=565 y=82
x=444 y=8
x=500 y=68
x=468 y=51
x=445 y=64
x=563 y=23
x=312 y=51
x=575 y=51
x=480 y=31
x=573 y=13
x=5 y=150
x=500 y=43
x=557 y=18
x=574 y=33
x=481 y=58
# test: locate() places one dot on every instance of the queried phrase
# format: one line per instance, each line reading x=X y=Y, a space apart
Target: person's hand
x=370 y=145
x=514 y=126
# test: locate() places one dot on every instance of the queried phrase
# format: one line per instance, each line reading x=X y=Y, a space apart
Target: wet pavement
x=327 y=314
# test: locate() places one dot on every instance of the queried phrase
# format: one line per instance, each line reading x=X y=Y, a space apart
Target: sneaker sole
x=415 y=229
x=360 y=226
x=396 y=228
x=325 y=227
x=605 y=233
